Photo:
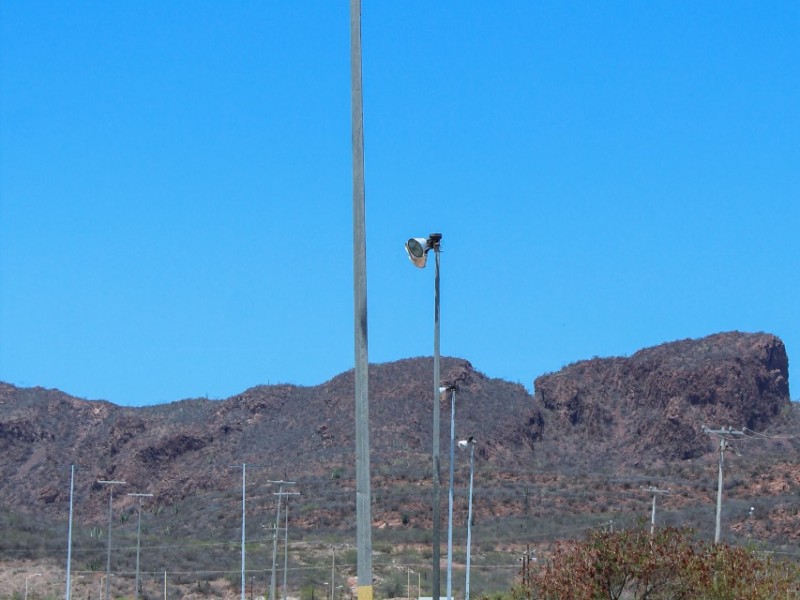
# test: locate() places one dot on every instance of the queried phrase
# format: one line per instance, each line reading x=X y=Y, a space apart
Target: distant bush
x=633 y=565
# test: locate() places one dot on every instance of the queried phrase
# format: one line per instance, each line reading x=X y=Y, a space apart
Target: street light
x=361 y=371
x=69 y=532
x=443 y=391
x=138 y=537
x=464 y=444
x=418 y=249
x=110 y=484
x=26 y=582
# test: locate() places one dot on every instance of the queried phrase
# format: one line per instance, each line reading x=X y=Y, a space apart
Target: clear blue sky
x=176 y=194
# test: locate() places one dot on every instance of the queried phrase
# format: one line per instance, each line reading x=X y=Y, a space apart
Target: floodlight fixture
x=444 y=390
x=418 y=248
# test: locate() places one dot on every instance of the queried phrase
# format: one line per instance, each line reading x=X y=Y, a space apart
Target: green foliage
x=669 y=565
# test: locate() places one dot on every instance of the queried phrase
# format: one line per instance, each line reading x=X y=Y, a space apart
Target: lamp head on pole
x=444 y=389
x=464 y=444
x=418 y=248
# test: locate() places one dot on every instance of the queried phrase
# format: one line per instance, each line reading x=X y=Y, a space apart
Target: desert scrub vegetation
x=670 y=565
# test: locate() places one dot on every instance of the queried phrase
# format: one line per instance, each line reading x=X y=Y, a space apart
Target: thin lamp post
x=244 y=477
x=138 y=537
x=418 y=249
x=69 y=531
x=110 y=483
x=451 y=389
x=463 y=444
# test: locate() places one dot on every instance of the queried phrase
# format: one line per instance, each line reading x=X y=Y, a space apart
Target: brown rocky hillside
x=654 y=403
x=578 y=450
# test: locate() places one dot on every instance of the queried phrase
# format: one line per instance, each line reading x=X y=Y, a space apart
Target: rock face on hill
x=654 y=403
x=593 y=421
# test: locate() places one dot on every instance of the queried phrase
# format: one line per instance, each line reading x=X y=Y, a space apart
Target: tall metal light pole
x=138 y=538
x=69 y=531
x=464 y=444
x=418 y=249
x=363 y=494
x=452 y=390
x=244 y=478
x=110 y=483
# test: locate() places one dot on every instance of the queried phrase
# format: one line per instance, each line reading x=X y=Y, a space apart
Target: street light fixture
x=418 y=249
x=464 y=444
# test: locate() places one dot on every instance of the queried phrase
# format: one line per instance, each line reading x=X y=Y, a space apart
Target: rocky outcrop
x=655 y=402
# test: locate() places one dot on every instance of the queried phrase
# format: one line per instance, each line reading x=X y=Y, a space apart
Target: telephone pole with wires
x=280 y=494
x=725 y=435
x=655 y=491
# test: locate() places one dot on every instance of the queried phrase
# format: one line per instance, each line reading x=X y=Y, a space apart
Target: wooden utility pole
x=724 y=435
x=655 y=491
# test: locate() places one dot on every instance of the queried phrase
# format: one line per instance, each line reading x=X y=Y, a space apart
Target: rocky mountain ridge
x=593 y=422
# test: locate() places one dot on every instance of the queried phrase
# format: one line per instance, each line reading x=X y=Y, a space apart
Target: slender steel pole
x=285 y=546
x=138 y=548
x=437 y=526
x=450 y=496
x=244 y=476
x=275 y=545
x=108 y=556
x=69 y=531
x=363 y=494
x=469 y=516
